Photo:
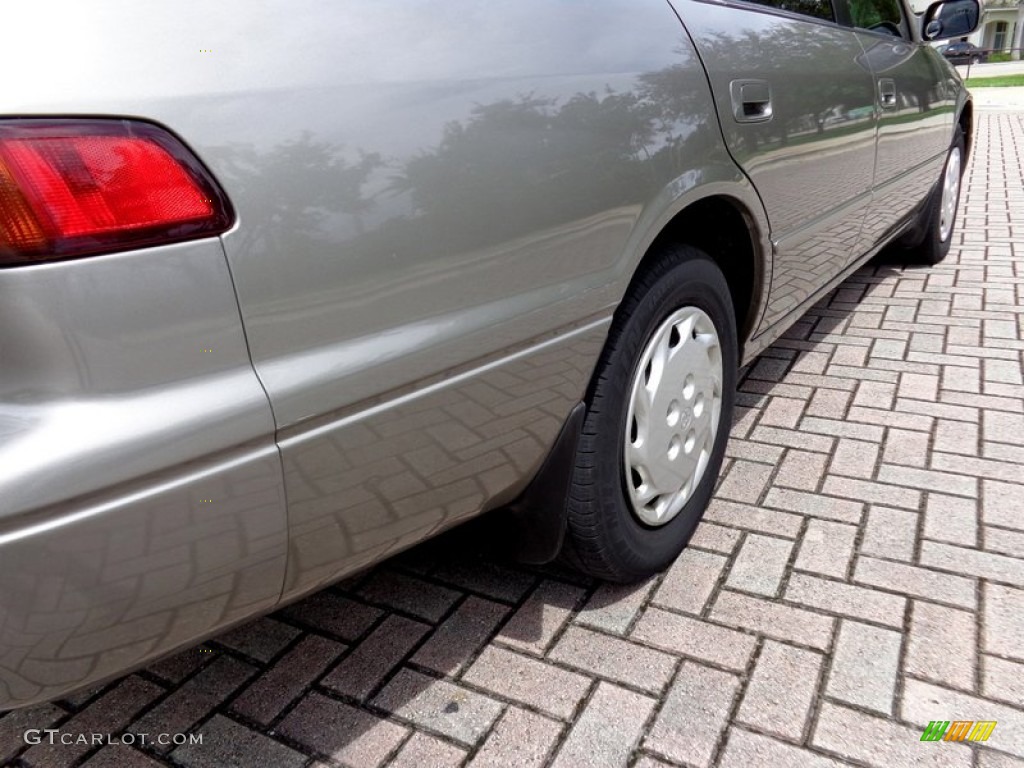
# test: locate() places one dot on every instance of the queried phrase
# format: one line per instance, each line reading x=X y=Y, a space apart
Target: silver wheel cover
x=950 y=194
x=675 y=404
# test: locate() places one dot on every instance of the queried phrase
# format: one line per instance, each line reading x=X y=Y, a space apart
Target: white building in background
x=1002 y=24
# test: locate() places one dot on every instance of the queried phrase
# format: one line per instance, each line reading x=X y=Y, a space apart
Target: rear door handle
x=887 y=92
x=751 y=100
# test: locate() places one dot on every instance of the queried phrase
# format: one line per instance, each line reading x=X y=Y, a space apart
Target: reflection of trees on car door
x=812 y=158
x=915 y=113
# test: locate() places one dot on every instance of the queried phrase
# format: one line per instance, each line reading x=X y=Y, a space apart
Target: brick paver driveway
x=860 y=573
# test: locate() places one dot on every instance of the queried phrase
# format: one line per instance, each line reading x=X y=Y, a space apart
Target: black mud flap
x=534 y=524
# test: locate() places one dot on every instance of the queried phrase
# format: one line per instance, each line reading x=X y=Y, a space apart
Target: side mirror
x=951 y=18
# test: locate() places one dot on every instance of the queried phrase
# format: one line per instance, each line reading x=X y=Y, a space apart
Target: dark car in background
x=965 y=53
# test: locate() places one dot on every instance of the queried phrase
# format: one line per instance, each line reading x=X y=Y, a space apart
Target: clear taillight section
x=80 y=187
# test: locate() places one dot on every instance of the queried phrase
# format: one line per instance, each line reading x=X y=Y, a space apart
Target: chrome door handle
x=887 y=92
x=751 y=100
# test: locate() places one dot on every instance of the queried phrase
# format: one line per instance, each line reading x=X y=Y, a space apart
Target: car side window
x=877 y=16
x=818 y=9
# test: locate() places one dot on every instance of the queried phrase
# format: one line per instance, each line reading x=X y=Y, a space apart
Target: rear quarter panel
x=439 y=208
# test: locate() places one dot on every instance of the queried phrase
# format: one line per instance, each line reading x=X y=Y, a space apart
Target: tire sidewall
x=640 y=548
x=939 y=248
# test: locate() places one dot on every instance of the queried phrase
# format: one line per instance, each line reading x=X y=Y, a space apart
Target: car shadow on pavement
x=343 y=674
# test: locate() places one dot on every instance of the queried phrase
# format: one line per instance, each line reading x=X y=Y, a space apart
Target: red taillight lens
x=77 y=187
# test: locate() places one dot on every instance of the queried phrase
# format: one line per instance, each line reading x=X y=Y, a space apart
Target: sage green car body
x=439 y=208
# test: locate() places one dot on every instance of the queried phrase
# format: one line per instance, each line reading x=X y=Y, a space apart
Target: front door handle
x=751 y=100
x=887 y=92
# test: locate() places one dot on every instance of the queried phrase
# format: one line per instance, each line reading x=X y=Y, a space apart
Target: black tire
x=604 y=538
x=933 y=248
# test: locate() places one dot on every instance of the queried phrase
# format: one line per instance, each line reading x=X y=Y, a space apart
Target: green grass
x=995 y=82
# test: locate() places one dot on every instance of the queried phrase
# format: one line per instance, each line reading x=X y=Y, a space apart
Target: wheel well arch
x=966 y=123
x=723 y=228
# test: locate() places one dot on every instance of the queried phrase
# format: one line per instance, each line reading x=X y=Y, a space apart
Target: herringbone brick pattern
x=859 y=573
